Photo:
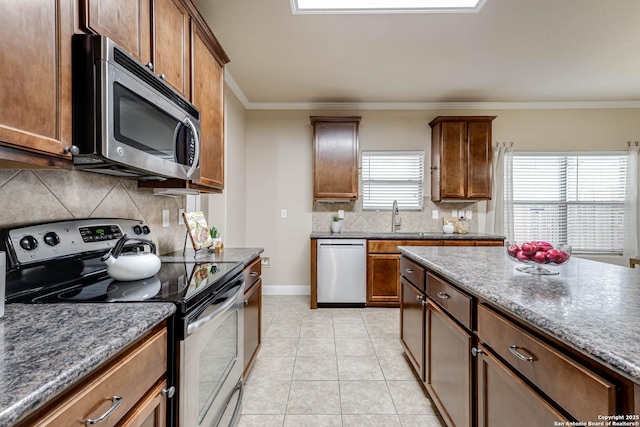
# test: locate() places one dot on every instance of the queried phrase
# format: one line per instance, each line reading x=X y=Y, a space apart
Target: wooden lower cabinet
x=504 y=400
x=448 y=366
x=383 y=279
x=136 y=379
x=412 y=308
x=151 y=411
x=252 y=324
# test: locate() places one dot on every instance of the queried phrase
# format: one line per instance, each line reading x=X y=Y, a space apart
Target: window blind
x=392 y=175
x=576 y=200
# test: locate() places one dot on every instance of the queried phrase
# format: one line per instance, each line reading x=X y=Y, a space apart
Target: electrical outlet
x=265 y=261
x=454 y=214
x=165 y=218
x=180 y=217
x=434 y=214
x=340 y=214
x=468 y=214
x=283 y=213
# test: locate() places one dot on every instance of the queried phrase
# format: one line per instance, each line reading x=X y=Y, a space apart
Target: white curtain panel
x=632 y=207
x=499 y=219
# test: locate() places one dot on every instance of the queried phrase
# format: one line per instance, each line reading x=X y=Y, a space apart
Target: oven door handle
x=193 y=327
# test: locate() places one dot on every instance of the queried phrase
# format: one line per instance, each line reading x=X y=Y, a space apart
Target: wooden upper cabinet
x=126 y=22
x=335 y=157
x=208 y=97
x=461 y=158
x=172 y=44
x=35 y=83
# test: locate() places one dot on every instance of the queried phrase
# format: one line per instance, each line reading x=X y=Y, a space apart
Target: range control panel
x=42 y=242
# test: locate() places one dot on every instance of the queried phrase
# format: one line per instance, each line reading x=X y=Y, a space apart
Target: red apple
x=513 y=249
x=522 y=256
x=543 y=246
x=540 y=258
x=562 y=257
x=554 y=255
x=528 y=248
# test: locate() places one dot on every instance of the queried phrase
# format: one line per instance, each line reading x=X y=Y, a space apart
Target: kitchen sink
x=401 y=234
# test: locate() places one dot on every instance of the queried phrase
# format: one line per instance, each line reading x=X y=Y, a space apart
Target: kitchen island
x=569 y=342
x=45 y=349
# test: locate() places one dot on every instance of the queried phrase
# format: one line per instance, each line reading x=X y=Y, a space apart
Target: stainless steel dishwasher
x=342 y=272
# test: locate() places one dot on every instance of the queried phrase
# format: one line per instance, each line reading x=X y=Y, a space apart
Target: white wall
x=279 y=163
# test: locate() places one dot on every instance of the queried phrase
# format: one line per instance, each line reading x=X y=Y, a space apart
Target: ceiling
x=512 y=51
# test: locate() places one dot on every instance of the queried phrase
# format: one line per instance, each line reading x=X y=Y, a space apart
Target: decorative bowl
x=535 y=256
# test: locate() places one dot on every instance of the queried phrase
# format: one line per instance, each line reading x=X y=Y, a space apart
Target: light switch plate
x=434 y=214
x=165 y=218
x=468 y=214
x=340 y=214
x=283 y=213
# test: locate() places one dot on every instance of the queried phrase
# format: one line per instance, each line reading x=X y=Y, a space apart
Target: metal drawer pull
x=476 y=351
x=253 y=274
x=408 y=270
x=443 y=295
x=514 y=350
x=169 y=392
x=117 y=400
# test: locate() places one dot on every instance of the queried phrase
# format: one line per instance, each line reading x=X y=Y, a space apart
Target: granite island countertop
x=591 y=306
x=243 y=255
x=400 y=235
x=46 y=348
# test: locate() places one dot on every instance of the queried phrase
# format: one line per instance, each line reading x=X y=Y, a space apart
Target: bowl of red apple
x=535 y=256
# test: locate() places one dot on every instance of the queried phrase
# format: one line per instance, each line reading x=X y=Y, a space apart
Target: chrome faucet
x=394 y=214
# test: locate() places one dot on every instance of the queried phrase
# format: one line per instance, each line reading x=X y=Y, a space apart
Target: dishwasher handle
x=342 y=245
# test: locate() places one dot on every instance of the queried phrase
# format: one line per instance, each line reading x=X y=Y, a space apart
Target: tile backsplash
x=29 y=196
x=355 y=219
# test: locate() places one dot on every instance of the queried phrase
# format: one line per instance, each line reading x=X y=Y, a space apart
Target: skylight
x=385 y=6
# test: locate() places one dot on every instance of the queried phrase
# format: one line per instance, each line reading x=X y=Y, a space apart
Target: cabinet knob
x=419 y=297
x=149 y=65
x=476 y=351
x=162 y=76
x=73 y=150
x=169 y=392
x=246 y=302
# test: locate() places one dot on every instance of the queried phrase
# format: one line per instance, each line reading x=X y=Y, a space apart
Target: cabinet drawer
x=452 y=300
x=390 y=246
x=412 y=272
x=129 y=377
x=582 y=393
x=252 y=273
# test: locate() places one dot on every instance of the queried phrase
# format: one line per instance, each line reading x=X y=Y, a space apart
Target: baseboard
x=286 y=290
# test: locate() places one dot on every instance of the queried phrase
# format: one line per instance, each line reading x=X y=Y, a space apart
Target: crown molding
x=558 y=105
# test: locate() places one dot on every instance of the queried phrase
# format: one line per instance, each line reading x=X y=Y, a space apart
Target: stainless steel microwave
x=127 y=121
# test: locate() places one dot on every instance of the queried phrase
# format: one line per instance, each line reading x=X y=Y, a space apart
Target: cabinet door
x=448 y=366
x=252 y=324
x=208 y=83
x=504 y=400
x=479 y=160
x=35 y=82
x=172 y=44
x=126 y=22
x=383 y=280
x=453 y=160
x=335 y=160
x=412 y=312
x=151 y=411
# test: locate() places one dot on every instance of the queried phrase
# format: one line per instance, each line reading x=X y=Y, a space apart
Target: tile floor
x=332 y=367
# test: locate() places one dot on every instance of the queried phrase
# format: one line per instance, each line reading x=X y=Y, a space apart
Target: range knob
x=146 y=229
x=51 y=238
x=137 y=229
x=28 y=243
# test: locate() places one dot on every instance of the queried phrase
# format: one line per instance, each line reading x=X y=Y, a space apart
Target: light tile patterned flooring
x=332 y=368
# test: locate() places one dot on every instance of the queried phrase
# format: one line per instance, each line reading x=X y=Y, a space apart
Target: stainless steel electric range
x=59 y=262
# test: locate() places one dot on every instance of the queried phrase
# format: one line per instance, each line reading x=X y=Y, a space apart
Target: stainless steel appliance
x=342 y=272
x=126 y=120
x=60 y=262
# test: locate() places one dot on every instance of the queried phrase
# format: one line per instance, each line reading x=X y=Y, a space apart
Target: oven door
x=211 y=359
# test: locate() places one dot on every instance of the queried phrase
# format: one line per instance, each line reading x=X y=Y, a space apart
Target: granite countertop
x=400 y=235
x=45 y=348
x=243 y=255
x=591 y=306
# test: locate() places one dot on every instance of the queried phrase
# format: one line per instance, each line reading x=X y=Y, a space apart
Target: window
x=574 y=199
x=392 y=175
x=385 y=6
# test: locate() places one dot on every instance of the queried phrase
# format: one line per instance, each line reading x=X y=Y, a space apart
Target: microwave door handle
x=196 y=138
